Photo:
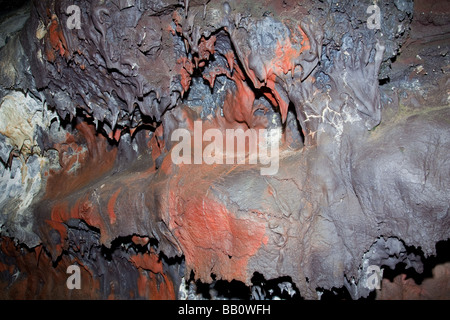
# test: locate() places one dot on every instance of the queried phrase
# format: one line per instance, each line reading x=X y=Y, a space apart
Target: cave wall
x=88 y=115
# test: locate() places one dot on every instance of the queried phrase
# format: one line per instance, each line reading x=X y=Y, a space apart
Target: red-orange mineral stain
x=148 y=285
x=214 y=240
x=111 y=204
x=57 y=41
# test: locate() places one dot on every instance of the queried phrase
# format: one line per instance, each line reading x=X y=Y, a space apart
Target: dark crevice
x=442 y=256
x=334 y=294
x=385 y=81
x=261 y=289
x=298 y=126
x=171 y=260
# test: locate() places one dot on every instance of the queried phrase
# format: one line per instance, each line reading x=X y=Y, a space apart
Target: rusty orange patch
x=111 y=204
x=214 y=240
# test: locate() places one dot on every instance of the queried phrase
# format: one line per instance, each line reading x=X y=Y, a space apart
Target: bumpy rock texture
x=87 y=175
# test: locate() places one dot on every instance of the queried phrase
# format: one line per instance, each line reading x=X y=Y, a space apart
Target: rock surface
x=87 y=123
